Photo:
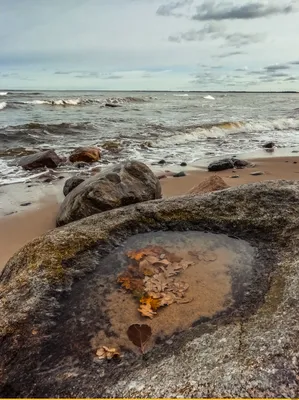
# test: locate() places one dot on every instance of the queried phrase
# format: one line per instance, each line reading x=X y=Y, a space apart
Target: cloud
x=244 y=39
x=276 y=67
x=210 y=10
x=291 y=79
x=243 y=69
x=114 y=77
x=213 y=30
x=169 y=9
x=63 y=72
x=294 y=63
x=230 y=54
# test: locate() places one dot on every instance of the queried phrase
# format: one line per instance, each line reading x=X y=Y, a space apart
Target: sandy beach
x=19 y=224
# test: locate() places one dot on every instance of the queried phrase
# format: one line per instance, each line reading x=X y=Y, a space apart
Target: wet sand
x=31 y=221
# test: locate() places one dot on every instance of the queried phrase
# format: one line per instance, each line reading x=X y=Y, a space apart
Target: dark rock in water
x=221 y=165
x=179 y=174
x=80 y=164
x=112 y=105
x=47 y=159
x=183 y=164
x=85 y=154
x=295 y=151
x=117 y=186
x=240 y=163
x=269 y=145
x=51 y=306
x=25 y=204
x=71 y=184
x=61 y=177
x=10 y=213
x=257 y=173
x=161 y=162
x=48 y=180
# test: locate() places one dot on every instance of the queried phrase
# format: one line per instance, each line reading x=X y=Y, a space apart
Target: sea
x=177 y=127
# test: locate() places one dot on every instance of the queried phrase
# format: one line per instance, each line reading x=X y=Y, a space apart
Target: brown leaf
x=146 y=311
x=131 y=284
x=186 y=264
x=153 y=302
x=139 y=335
x=136 y=255
x=146 y=268
x=107 y=353
x=160 y=282
x=167 y=299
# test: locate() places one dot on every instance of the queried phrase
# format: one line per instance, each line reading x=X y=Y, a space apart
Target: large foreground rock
x=47 y=159
x=117 y=186
x=71 y=184
x=51 y=305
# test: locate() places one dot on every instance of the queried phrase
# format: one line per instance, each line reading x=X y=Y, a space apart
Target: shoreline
x=21 y=224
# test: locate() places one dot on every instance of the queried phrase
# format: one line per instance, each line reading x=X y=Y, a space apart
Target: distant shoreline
x=143 y=91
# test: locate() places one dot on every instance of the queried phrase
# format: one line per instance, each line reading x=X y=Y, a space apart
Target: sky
x=206 y=45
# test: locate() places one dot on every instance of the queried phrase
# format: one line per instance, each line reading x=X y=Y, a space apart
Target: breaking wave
x=3 y=104
x=83 y=101
x=3 y=93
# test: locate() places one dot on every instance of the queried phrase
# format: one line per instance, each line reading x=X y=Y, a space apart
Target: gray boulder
x=53 y=299
x=47 y=159
x=221 y=165
x=71 y=184
x=117 y=186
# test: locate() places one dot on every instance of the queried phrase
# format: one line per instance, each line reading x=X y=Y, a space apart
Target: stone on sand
x=85 y=154
x=116 y=186
x=210 y=184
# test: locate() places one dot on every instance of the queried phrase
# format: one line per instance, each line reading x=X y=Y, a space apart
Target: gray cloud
x=291 y=78
x=169 y=9
x=213 y=30
x=244 y=39
x=210 y=10
x=63 y=72
x=276 y=67
x=294 y=63
x=230 y=54
x=278 y=74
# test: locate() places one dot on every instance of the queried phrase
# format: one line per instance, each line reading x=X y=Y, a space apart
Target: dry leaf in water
x=167 y=299
x=106 y=353
x=139 y=335
x=153 y=302
x=146 y=311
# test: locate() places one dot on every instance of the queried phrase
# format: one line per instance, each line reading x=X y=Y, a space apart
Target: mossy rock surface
x=250 y=351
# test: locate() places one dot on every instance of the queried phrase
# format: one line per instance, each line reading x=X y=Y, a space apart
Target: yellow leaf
x=153 y=303
x=146 y=311
x=106 y=353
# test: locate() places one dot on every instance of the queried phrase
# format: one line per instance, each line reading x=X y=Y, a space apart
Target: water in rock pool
x=220 y=271
x=147 y=126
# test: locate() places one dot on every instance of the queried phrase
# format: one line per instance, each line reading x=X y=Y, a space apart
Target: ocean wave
x=3 y=104
x=83 y=101
x=181 y=95
x=209 y=97
x=3 y=93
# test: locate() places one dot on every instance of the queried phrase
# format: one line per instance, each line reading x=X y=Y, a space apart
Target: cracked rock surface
x=250 y=351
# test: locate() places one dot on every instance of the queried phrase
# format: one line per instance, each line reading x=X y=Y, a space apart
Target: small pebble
x=162 y=162
x=235 y=176
x=256 y=173
x=183 y=164
x=179 y=174
x=295 y=162
x=25 y=204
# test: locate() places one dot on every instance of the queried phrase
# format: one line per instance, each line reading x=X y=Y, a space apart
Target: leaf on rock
x=139 y=335
x=136 y=255
x=146 y=311
x=147 y=268
x=167 y=299
x=131 y=284
x=106 y=353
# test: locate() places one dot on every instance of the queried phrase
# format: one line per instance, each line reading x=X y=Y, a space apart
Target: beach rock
x=179 y=174
x=112 y=105
x=85 y=154
x=211 y=184
x=112 y=146
x=161 y=162
x=257 y=173
x=269 y=145
x=52 y=303
x=25 y=204
x=71 y=184
x=47 y=159
x=183 y=164
x=221 y=165
x=117 y=186
x=235 y=176
x=240 y=163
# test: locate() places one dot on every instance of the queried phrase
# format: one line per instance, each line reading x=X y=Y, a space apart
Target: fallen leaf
x=153 y=302
x=136 y=255
x=146 y=311
x=167 y=299
x=107 y=353
x=146 y=268
x=139 y=335
x=184 y=301
x=131 y=284
x=186 y=264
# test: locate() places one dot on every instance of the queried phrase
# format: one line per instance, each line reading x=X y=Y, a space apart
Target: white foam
x=181 y=95
x=209 y=97
x=3 y=93
x=3 y=104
